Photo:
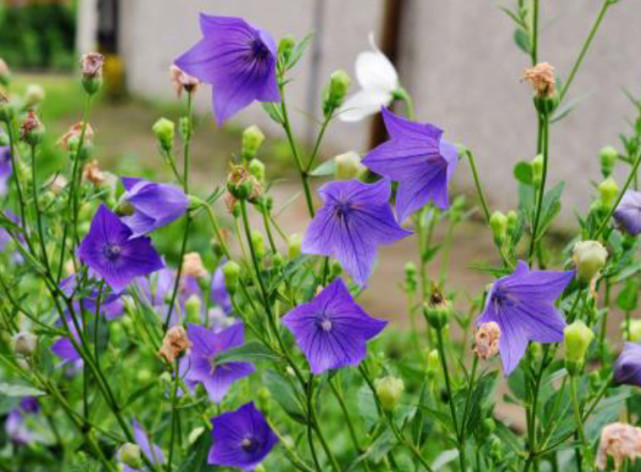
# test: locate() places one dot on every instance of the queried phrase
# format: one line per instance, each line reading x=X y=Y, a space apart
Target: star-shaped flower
x=111 y=252
x=5 y=169
x=355 y=220
x=332 y=330
x=627 y=369
x=628 y=212
x=238 y=59
x=522 y=304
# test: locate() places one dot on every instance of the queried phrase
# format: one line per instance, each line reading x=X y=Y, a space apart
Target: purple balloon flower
x=627 y=369
x=419 y=159
x=219 y=294
x=111 y=305
x=628 y=212
x=238 y=59
x=332 y=329
x=355 y=220
x=64 y=348
x=15 y=425
x=154 y=205
x=5 y=169
x=241 y=438
x=111 y=252
x=150 y=450
x=522 y=304
x=202 y=367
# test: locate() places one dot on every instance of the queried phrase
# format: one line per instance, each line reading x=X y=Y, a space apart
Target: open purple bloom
x=238 y=59
x=111 y=252
x=154 y=205
x=15 y=426
x=419 y=159
x=355 y=220
x=64 y=348
x=522 y=304
x=111 y=305
x=219 y=294
x=627 y=369
x=628 y=212
x=241 y=438
x=216 y=377
x=150 y=450
x=5 y=169
x=332 y=330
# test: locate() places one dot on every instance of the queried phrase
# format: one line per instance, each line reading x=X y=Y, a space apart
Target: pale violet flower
x=379 y=83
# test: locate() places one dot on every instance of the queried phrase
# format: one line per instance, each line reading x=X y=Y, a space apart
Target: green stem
x=315 y=425
x=36 y=205
x=348 y=420
x=541 y=190
x=579 y=424
x=174 y=416
x=479 y=188
x=535 y=33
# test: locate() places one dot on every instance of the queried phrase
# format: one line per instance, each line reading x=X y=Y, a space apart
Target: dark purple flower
x=627 y=369
x=150 y=450
x=419 y=159
x=332 y=329
x=111 y=252
x=238 y=59
x=355 y=220
x=64 y=348
x=111 y=305
x=522 y=304
x=628 y=212
x=219 y=294
x=241 y=438
x=217 y=378
x=15 y=424
x=154 y=205
x=5 y=169
x=30 y=405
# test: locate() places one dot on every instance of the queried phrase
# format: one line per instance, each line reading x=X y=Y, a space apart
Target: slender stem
x=319 y=138
x=541 y=190
x=579 y=422
x=479 y=188
x=585 y=47
x=217 y=232
x=43 y=247
x=268 y=229
x=348 y=420
x=16 y=176
x=174 y=415
x=535 y=33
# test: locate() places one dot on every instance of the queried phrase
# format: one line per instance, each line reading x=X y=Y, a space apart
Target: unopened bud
x=410 y=277
x=193 y=308
x=34 y=96
x=25 y=343
x=286 y=47
x=257 y=169
x=6 y=108
x=498 y=224
x=608 y=190
x=253 y=138
x=194 y=434
x=437 y=310
x=608 y=157
x=231 y=272
x=258 y=241
x=174 y=343
x=577 y=338
x=130 y=455
x=91 y=66
x=339 y=83
x=193 y=265
x=537 y=170
x=348 y=166
x=635 y=331
x=165 y=130
x=433 y=363
x=389 y=391
x=32 y=130
x=294 y=245
x=588 y=257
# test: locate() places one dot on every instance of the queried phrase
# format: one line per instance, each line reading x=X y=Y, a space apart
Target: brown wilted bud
x=32 y=130
x=174 y=343
x=486 y=341
x=56 y=183
x=74 y=132
x=242 y=185
x=91 y=64
x=619 y=441
x=92 y=173
x=181 y=80
x=230 y=202
x=193 y=265
x=541 y=78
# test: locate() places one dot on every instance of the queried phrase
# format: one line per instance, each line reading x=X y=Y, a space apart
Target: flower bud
x=389 y=390
x=25 y=343
x=34 y=96
x=496 y=450
x=635 y=331
x=184 y=127
x=294 y=245
x=339 y=83
x=608 y=190
x=253 y=138
x=130 y=455
x=258 y=241
x=193 y=308
x=577 y=338
x=433 y=363
x=5 y=73
x=6 y=108
x=348 y=166
x=286 y=47
x=588 y=257
x=257 y=169
x=165 y=130
x=193 y=265
x=608 y=156
x=231 y=272
x=537 y=170
x=498 y=224
x=437 y=310
x=91 y=66
x=32 y=130
x=194 y=434
x=174 y=343
x=242 y=185
x=410 y=277
x=277 y=260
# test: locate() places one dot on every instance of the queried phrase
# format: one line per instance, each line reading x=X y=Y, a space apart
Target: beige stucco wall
x=458 y=60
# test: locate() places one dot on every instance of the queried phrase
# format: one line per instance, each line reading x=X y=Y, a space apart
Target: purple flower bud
x=627 y=369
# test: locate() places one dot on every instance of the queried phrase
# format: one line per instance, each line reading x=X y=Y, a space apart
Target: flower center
x=112 y=251
x=249 y=445
x=342 y=209
x=259 y=50
x=325 y=324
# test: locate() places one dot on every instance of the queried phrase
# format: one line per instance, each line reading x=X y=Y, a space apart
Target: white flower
x=378 y=80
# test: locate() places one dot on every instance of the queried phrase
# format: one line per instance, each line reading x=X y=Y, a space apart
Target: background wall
x=457 y=58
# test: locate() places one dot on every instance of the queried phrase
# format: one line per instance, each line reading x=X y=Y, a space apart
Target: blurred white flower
x=378 y=80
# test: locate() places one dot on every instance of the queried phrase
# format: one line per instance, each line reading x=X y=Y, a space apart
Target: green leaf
x=629 y=297
x=326 y=168
x=196 y=460
x=523 y=172
x=285 y=395
x=566 y=108
x=522 y=40
x=298 y=51
x=444 y=458
x=19 y=390
x=253 y=351
x=273 y=111
x=550 y=208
